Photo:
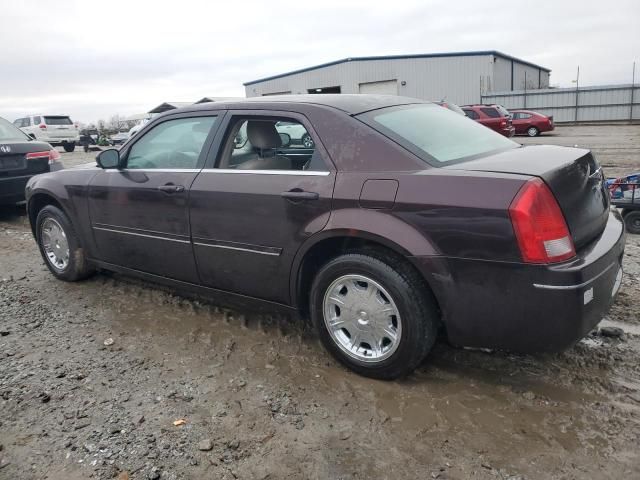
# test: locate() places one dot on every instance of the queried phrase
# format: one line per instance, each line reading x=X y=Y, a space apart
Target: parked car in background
x=297 y=133
x=496 y=117
x=119 y=138
x=451 y=106
x=404 y=219
x=57 y=130
x=21 y=158
x=138 y=126
x=527 y=122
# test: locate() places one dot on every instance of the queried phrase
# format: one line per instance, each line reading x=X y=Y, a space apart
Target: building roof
x=352 y=104
x=401 y=57
x=215 y=99
x=163 y=107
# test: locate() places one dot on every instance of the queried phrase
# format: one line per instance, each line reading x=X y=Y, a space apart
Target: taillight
x=540 y=227
x=51 y=155
x=42 y=126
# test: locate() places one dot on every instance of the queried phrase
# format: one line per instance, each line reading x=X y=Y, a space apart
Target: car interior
x=256 y=144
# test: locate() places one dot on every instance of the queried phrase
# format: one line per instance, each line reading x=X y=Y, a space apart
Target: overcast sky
x=92 y=60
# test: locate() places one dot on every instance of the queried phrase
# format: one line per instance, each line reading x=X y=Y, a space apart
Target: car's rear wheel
x=60 y=246
x=632 y=221
x=307 y=141
x=533 y=132
x=69 y=147
x=375 y=318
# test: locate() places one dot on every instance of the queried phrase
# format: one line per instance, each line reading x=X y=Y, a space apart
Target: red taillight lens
x=51 y=155
x=42 y=126
x=540 y=227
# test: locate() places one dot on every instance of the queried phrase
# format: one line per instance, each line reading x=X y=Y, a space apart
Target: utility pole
x=633 y=81
x=577 y=86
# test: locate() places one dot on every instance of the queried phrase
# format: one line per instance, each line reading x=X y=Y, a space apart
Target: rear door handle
x=171 y=188
x=300 y=195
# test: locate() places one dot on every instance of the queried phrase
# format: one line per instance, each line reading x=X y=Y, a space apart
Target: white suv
x=53 y=129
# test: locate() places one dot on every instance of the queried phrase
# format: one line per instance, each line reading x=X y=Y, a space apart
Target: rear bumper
x=508 y=132
x=60 y=140
x=528 y=308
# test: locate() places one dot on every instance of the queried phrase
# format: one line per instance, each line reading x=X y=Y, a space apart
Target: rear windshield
x=58 y=121
x=435 y=134
x=10 y=133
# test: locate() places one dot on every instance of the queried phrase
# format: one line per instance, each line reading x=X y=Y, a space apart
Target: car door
x=139 y=213
x=254 y=206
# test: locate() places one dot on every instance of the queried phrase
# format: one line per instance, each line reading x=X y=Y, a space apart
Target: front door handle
x=298 y=194
x=171 y=188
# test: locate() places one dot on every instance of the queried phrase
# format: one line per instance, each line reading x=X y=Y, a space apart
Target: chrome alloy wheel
x=55 y=244
x=362 y=318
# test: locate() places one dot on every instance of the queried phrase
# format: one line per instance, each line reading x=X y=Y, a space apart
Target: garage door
x=388 y=87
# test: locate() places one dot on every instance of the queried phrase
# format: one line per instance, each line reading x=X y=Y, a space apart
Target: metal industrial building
x=461 y=77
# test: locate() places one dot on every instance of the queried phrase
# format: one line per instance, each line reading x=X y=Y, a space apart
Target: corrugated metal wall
x=457 y=79
x=595 y=104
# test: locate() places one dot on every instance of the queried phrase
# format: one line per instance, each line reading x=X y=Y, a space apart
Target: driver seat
x=264 y=136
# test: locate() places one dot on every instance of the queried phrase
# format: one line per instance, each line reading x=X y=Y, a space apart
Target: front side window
x=10 y=133
x=266 y=143
x=435 y=134
x=471 y=114
x=174 y=144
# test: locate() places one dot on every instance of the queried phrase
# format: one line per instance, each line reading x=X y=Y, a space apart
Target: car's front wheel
x=60 y=246
x=69 y=147
x=375 y=318
x=533 y=132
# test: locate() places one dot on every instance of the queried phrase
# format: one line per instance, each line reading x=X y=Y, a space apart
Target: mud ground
x=94 y=375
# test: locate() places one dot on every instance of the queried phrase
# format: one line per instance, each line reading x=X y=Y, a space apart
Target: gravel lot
x=113 y=378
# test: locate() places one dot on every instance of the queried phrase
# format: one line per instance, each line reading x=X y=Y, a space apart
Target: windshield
x=435 y=134
x=10 y=133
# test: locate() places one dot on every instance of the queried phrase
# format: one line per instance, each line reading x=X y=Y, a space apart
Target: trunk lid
x=573 y=175
x=13 y=159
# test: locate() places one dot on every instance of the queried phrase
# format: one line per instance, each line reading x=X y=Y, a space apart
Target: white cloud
x=93 y=60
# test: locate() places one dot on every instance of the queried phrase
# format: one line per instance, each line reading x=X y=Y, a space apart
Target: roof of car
x=352 y=104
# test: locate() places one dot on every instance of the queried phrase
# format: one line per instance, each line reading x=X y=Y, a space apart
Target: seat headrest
x=263 y=134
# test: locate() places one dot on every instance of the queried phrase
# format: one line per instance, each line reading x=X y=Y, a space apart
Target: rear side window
x=491 y=112
x=436 y=134
x=57 y=120
x=37 y=120
x=471 y=114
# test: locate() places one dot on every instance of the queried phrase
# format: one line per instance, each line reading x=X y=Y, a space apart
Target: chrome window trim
x=268 y=172
x=575 y=287
x=146 y=170
x=140 y=234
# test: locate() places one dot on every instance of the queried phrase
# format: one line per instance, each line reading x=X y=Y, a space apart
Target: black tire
x=632 y=222
x=307 y=141
x=533 y=132
x=77 y=267
x=416 y=307
x=69 y=147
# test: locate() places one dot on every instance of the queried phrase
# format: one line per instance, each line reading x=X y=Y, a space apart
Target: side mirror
x=108 y=158
x=285 y=139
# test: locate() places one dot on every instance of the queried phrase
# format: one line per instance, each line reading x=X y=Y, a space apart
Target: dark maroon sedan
x=403 y=218
x=528 y=122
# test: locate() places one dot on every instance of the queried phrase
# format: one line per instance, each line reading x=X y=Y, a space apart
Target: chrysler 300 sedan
x=400 y=220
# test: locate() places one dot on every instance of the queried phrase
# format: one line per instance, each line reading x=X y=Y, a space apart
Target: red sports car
x=531 y=123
